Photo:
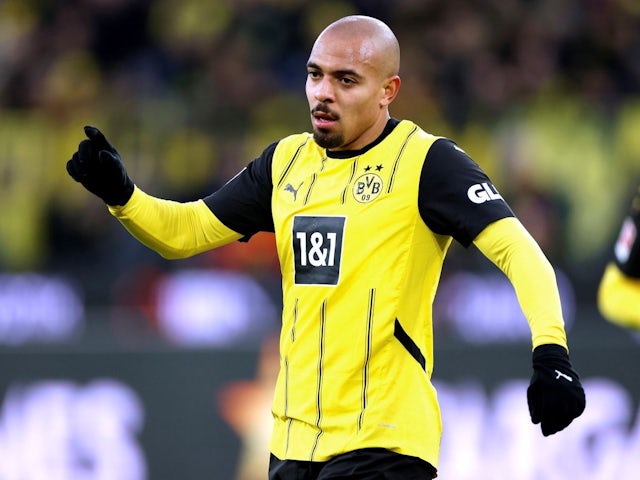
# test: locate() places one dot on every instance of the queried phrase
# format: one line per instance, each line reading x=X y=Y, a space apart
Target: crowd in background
x=543 y=94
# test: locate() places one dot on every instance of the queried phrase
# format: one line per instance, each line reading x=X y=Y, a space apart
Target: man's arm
x=555 y=395
x=450 y=205
x=512 y=249
x=173 y=229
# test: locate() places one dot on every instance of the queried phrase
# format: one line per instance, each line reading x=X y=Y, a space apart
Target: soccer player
x=619 y=290
x=363 y=210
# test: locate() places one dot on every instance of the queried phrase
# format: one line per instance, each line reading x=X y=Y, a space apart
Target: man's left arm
x=555 y=395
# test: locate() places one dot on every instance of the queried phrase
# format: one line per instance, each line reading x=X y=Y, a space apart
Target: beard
x=324 y=137
x=327 y=140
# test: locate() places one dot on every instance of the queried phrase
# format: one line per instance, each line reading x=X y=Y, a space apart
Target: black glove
x=98 y=167
x=555 y=394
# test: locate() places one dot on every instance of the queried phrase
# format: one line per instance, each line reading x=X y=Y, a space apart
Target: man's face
x=345 y=91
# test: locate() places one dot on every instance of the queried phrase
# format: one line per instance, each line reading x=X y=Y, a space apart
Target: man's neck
x=388 y=128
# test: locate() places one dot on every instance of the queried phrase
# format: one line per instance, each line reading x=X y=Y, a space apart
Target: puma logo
x=560 y=374
x=294 y=191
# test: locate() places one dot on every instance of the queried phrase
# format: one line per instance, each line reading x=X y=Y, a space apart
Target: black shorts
x=365 y=464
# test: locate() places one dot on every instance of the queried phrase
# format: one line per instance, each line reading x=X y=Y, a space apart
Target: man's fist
x=555 y=395
x=98 y=167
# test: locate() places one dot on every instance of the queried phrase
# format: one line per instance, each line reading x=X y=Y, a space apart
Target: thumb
x=97 y=138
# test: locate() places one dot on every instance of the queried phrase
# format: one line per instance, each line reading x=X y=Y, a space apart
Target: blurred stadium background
x=115 y=363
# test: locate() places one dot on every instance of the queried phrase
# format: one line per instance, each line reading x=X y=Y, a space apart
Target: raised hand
x=98 y=167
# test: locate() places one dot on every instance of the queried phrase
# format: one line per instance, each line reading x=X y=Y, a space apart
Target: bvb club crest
x=367 y=187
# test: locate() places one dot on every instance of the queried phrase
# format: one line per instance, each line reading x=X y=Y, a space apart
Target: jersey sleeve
x=514 y=251
x=243 y=204
x=172 y=229
x=455 y=196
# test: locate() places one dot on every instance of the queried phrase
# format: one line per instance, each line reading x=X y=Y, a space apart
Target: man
x=363 y=210
x=619 y=290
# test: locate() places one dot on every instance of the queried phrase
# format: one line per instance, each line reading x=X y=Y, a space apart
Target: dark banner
x=204 y=414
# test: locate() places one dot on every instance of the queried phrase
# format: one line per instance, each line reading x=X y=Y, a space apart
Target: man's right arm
x=239 y=209
x=173 y=229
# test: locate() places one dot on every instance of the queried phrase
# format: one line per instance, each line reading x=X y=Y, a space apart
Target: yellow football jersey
x=355 y=223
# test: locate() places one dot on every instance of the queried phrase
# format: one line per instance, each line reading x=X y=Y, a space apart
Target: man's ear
x=391 y=88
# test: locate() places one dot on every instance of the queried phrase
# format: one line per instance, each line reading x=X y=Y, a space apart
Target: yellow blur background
x=542 y=94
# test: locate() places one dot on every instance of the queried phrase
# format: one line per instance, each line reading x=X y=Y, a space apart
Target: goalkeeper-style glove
x=555 y=395
x=98 y=167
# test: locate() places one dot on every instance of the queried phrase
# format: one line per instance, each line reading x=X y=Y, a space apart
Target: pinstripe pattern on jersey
x=286 y=368
x=286 y=400
x=323 y=320
x=397 y=160
x=290 y=163
x=354 y=169
x=313 y=181
x=295 y=320
x=367 y=355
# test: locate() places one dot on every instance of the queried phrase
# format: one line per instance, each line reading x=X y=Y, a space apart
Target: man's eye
x=313 y=74
x=347 y=81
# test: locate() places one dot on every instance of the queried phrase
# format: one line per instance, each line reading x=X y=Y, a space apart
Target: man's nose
x=324 y=90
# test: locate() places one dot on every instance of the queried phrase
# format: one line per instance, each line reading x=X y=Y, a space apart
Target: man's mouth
x=323 y=117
